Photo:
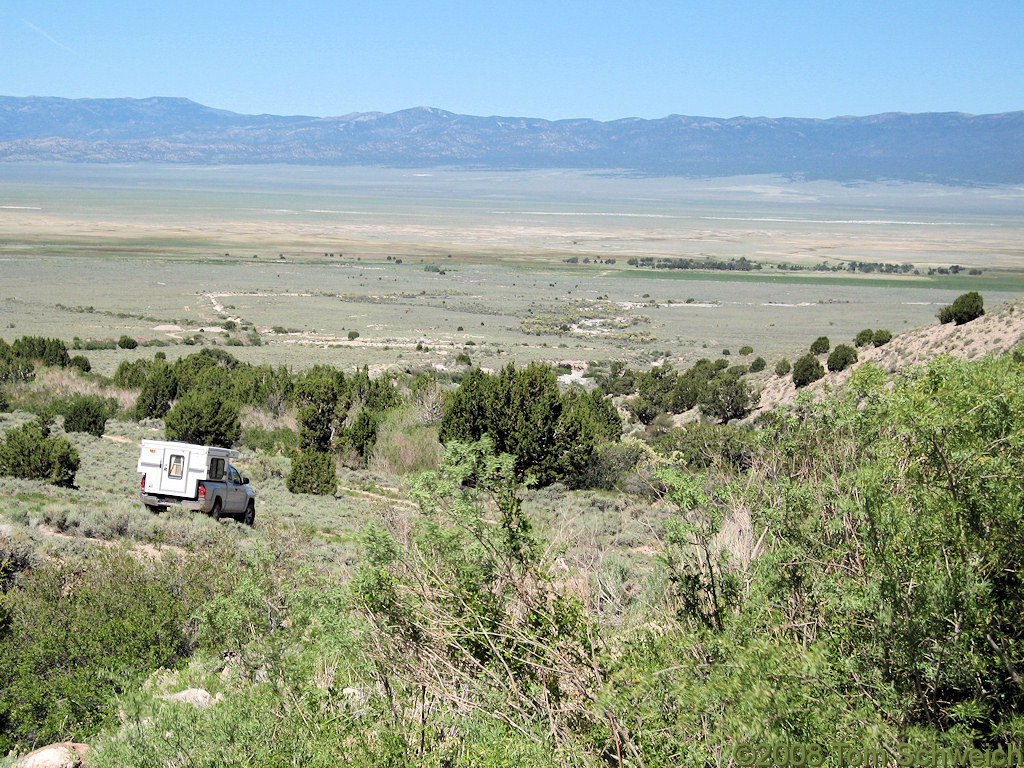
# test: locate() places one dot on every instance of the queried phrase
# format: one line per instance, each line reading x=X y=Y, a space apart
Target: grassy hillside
x=845 y=569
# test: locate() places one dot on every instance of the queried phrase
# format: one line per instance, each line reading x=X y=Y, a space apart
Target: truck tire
x=152 y=508
x=250 y=514
x=215 y=512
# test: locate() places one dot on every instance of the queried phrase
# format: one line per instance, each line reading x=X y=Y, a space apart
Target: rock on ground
x=64 y=755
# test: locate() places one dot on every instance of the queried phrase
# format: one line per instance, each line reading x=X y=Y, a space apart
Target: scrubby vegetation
x=842 y=357
x=32 y=453
x=860 y=553
x=968 y=306
x=806 y=370
x=524 y=584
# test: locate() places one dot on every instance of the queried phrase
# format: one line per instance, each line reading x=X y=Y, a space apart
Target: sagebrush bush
x=758 y=364
x=881 y=337
x=404 y=444
x=783 y=367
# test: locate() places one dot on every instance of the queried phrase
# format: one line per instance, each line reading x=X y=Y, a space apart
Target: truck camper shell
x=176 y=469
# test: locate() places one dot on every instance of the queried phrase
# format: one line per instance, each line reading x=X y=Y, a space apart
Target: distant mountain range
x=946 y=147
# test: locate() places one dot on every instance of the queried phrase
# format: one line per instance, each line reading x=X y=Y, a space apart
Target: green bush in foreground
x=77 y=633
x=783 y=367
x=29 y=452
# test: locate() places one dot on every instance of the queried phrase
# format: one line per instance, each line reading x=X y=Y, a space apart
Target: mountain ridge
x=949 y=147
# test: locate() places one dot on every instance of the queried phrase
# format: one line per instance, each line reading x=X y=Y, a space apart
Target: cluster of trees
x=552 y=435
x=18 y=359
x=721 y=390
x=808 y=369
x=742 y=264
x=336 y=413
x=208 y=389
x=876 y=338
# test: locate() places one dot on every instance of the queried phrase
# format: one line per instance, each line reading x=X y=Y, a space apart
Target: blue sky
x=555 y=59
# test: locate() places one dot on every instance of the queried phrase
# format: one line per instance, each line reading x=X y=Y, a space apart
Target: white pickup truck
x=199 y=477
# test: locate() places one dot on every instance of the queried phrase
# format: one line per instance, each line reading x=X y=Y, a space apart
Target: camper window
x=216 y=469
x=177 y=467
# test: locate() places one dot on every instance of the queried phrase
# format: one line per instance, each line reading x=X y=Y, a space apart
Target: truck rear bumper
x=195 y=505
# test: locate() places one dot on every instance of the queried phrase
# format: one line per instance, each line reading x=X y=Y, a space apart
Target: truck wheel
x=250 y=514
x=215 y=512
x=152 y=508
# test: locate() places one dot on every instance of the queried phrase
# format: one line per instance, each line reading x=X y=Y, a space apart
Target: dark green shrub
x=728 y=396
x=842 y=357
x=864 y=338
x=363 y=433
x=965 y=308
x=131 y=374
x=78 y=633
x=16 y=557
x=52 y=352
x=87 y=413
x=353 y=335
x=313 y=472
x=746 y=349
x=29 y=452
x=81 y=362
x=881 y=337
x=820 y=346
x=758 y=364
x=127 y=342
x=807 y=369
x=783 y=367
x=205 y=418
x=463 y=359
x=158 y=390
x=4 y=404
